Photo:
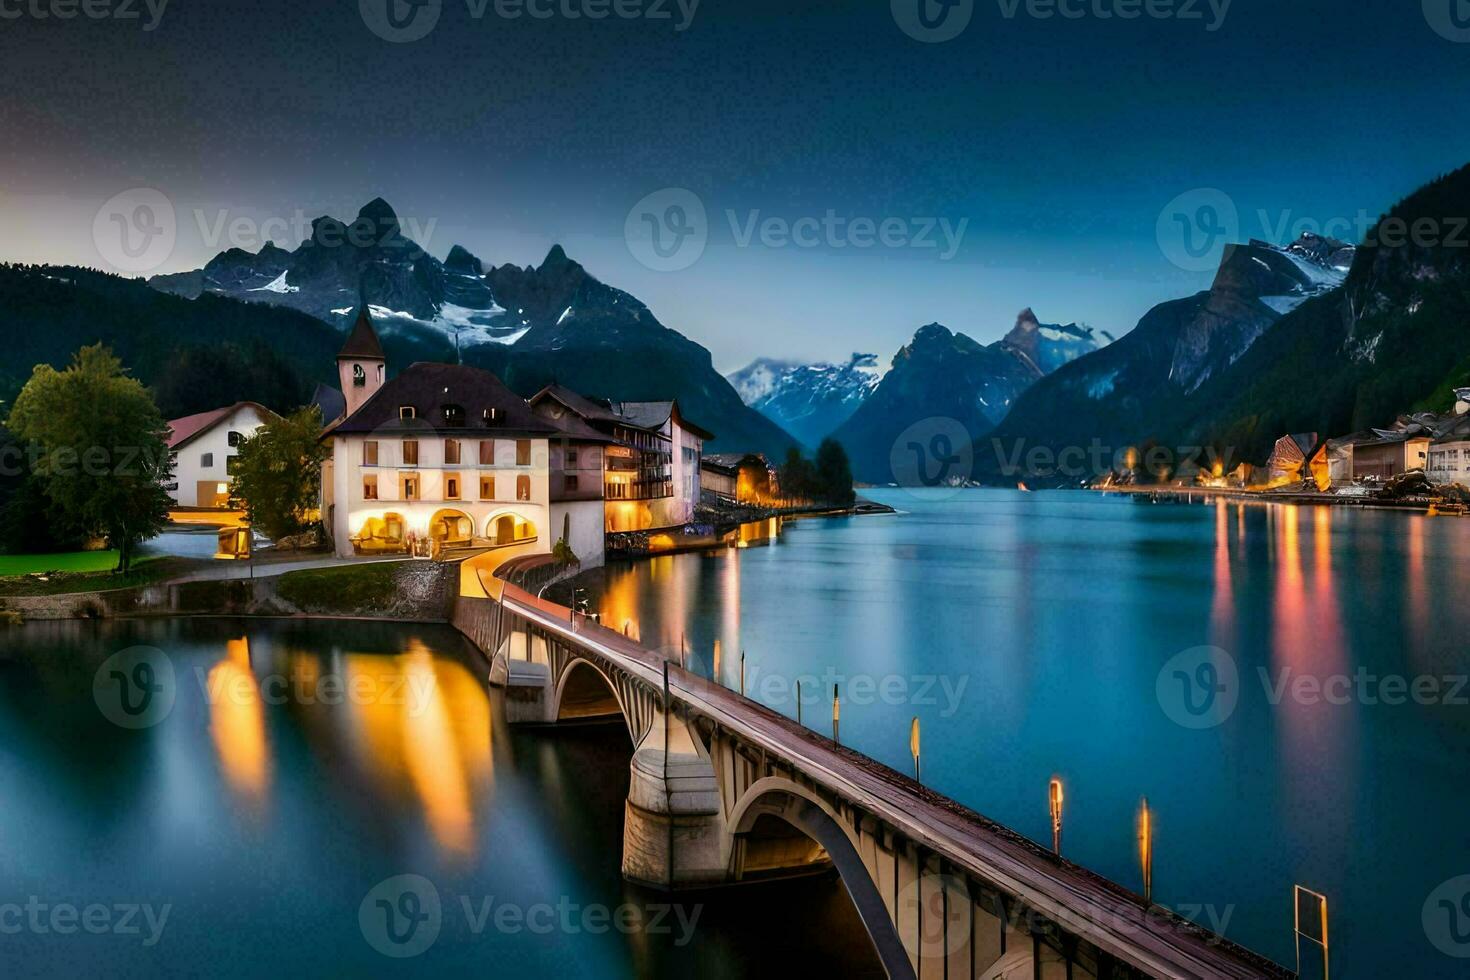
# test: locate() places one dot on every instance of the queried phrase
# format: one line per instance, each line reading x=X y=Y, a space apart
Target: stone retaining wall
x=424 y=590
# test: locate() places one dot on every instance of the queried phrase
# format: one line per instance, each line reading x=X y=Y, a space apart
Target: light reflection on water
x=1058 y=611
x=302 y=764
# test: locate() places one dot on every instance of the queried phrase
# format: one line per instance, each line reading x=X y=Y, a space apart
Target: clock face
x=557 y=411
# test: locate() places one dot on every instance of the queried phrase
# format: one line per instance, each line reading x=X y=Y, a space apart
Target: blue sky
x=1054 y=142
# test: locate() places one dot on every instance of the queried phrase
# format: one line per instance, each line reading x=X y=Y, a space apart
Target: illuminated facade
x=442 y=456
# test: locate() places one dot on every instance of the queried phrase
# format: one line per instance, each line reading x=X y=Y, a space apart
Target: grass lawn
x=71 y=561
x=345 y=588
x=93 y=578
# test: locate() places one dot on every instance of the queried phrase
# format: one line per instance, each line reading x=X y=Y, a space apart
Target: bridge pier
x=673 y=824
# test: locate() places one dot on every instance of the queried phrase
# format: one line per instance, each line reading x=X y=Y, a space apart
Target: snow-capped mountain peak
x=807 y=400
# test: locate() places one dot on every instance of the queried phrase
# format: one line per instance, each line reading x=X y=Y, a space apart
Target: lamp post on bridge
x=1055 y=798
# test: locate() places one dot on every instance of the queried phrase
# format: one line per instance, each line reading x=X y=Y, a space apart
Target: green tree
x=834 y=474
x=101 y=449
x=796 y=476
x=278 y=473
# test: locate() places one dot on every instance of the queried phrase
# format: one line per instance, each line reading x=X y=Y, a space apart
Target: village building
x=202 y=449
x=650 y=462
x=441 y=457
x=745 y=478
x=1449 y=455
x=1389 y=454
x=1288 y=462
x=578 y=459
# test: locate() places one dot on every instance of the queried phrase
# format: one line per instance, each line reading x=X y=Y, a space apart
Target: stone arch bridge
x=723 y=789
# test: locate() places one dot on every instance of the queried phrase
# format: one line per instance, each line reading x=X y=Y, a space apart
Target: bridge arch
x=585 y=691
x=776 y=799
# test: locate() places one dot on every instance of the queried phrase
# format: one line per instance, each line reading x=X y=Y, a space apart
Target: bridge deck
x=1082 y=902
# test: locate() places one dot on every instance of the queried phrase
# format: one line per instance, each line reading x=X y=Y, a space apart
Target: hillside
x=196 y=354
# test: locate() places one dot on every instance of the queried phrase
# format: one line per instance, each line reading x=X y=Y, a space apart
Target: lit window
x=370 y=453
x=523 y=488
x=359 y=376
x=451 y=487
x=370 y=487
x=408 y=487
x=487 y=488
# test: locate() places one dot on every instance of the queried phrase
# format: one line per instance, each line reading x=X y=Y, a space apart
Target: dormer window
x=359 y=376
x=492 y=415
x=453 y=416
x=234 y=439
x=407 y=412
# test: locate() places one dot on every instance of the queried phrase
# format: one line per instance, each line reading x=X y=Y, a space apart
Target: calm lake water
x=299 y=765
x=1056 y=634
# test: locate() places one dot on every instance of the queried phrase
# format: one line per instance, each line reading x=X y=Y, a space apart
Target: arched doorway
x=381 y=535
x=451 y=529
x=507 y=529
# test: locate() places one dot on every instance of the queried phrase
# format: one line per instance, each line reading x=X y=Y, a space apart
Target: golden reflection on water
x=237 y=723
x=1222 y=610
x=424 y=732
x=1316 y=728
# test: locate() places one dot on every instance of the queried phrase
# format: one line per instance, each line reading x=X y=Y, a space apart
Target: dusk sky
x=1055 y=143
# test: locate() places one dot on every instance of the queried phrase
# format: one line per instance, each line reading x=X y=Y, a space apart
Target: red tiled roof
x=190 y=427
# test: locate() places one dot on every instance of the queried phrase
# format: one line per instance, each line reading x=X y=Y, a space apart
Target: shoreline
x=1204 y=494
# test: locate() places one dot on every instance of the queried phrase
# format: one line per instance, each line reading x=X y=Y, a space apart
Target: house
x=1390 y=453
x=650 y=461
x=682 y=442
x=577 y=464
x=1332 y=462
x=442 y=456
x=202 y=449
x=1449 y=454
x=1289 y=458
x=737 y=477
